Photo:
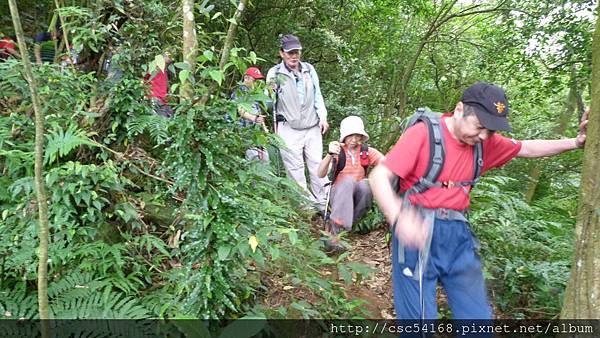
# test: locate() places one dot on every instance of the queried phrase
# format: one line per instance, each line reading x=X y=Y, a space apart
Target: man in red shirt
x=159 y=87
x=7 y=48
x=351 y=195
x=431 y=237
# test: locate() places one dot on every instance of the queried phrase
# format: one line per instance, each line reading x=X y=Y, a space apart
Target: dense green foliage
x=156 y=217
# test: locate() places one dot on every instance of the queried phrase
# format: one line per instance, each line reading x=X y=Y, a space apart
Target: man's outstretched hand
x=580 y=140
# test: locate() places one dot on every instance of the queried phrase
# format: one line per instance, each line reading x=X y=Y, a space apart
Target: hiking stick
x=332 y=179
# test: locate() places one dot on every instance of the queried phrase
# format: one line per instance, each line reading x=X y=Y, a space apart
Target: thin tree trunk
x=231 y=32
x=535 y=172
x=39 y=180
x=537 y=167
x=190 y=46
x=582 y=297
x=397 y=101
x=62 y=26
x=226 y=49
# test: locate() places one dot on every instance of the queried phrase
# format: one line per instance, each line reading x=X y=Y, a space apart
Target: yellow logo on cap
x=500 y=107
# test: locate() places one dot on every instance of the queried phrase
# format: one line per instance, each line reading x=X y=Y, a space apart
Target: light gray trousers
x=304 y=147
x=350 y=200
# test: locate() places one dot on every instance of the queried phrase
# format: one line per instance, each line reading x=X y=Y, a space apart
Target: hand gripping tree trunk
x=39 y=180
x=582 y=297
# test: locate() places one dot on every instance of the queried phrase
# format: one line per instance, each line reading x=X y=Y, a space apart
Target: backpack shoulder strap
x=277 y=90
x=477 y=162
x=364 y=156
x=436 y=149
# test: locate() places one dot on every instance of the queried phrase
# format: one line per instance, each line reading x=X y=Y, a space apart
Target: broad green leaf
x=223 y=252
x=192 y=328
x=275 y=253
x=244 y=327
x=208 y=54
x=216 y=75
x=183 y=75
x=182 y=65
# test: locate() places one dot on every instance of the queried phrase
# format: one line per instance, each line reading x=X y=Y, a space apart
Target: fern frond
x=78 y=284
x=25 y=185
x=92 y=303
x=157 y=126
x=17 y=303
x=61 y=142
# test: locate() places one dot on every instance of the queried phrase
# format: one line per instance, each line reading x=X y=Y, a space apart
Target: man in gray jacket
x=301 y=117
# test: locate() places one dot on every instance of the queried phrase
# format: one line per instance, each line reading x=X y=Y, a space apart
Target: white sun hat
x=352 y=125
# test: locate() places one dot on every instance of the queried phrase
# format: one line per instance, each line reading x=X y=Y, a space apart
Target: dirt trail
x=376 y=289
x=371 y=249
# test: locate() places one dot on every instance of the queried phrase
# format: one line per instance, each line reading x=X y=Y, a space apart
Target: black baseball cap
x=290 y=42
x=490 y=105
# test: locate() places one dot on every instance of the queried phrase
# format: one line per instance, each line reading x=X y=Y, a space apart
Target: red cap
x=255 y=73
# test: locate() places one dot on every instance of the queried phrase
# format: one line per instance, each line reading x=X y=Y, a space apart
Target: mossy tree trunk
x=582 y=297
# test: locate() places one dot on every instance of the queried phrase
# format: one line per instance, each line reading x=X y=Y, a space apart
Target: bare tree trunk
x=190 y=46
x=582 y=297
x=39 y=180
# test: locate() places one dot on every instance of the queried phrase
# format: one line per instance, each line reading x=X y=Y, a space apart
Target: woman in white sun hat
x=350 y=158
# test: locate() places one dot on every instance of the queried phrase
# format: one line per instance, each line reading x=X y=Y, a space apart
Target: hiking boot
x=317 y=216
x=333 y=247
x=332 y=243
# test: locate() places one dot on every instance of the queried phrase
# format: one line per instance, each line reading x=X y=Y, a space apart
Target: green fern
x=99 y=305
x=17 y=303
x=61 y=142
x=75 y=285
x=157 y=127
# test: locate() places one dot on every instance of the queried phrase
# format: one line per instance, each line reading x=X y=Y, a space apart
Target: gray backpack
x=437 y=154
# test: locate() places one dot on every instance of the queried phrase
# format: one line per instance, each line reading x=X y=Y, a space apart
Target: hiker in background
x=349 y=159
x=159 y=88
x=254 y=117
x=7 y=48
x=113 y=71
x=300 y=117
x=432 y=239
x=111 y=65
x=45 y=45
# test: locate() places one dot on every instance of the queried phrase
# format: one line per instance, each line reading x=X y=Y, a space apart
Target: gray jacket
x=299 y=100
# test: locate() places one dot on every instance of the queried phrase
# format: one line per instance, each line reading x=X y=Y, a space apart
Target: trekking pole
x=264 y=125
x=421 y=298
x=331 y=180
